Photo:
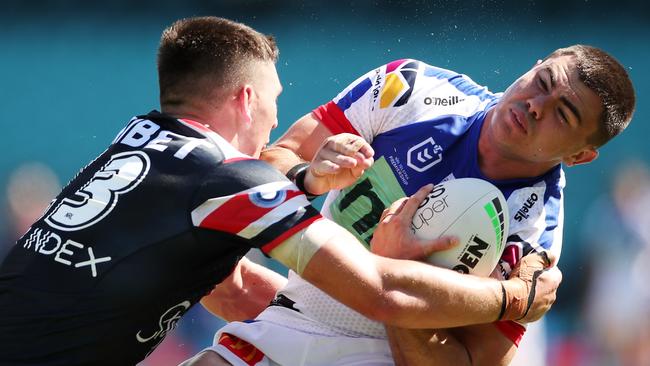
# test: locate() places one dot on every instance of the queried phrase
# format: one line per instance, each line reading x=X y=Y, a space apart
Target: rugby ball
x=476 y=212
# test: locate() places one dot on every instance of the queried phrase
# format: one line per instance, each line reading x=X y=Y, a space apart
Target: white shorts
x=267 y=343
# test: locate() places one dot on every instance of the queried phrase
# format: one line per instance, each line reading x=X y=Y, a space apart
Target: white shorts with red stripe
x=267 y=343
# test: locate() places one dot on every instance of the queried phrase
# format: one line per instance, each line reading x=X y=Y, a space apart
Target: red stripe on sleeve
x=246 y=352
x=281 y=238
x=334 y=119
x=239 y=212
x=511 y=330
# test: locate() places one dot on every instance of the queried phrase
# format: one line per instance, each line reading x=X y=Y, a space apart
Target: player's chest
x=424 y=153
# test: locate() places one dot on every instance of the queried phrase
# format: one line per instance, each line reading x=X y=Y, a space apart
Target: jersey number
x=98 y=197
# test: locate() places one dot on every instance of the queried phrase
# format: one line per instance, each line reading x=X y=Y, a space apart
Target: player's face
x=547 y=115
x=264 y=109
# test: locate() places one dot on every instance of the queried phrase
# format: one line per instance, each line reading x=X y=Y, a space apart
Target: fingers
x=415 y=200
x=351 y=145
x=337 y=158
x=393 y=210
x=404 y=208
x=536 y=287
x=442 y=243
x=321 y=168
x=533 y=262
x=543 y=290
x=347 y=151
x=551 y=258
x=554 y=276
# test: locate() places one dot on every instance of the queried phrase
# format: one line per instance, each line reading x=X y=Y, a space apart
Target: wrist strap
x=297 y=175
x=503 y=302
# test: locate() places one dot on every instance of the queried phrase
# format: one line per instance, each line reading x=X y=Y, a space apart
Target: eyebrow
x=563 y=98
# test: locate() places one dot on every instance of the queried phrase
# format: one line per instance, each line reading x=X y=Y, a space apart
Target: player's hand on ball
x=394 y=237
x=339 y=162
x=531 y=289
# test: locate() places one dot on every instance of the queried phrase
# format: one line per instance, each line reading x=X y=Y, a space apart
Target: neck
x=498 y=164
x=214 y=119
x=188 y=110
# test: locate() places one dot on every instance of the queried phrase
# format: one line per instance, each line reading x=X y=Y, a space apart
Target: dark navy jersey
x=134 y=240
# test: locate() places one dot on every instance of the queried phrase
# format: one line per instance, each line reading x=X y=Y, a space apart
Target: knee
x=206 y=358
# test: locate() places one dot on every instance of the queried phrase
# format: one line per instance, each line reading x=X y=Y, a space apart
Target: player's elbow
x=388 y=308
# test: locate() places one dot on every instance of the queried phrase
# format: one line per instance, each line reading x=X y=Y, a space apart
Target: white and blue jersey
x=424 y=124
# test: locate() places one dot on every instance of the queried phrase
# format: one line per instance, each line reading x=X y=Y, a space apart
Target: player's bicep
x=297 y=251
x=332 y=259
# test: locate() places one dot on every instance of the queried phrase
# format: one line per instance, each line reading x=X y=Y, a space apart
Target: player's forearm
x=281 y=158
x=477 y=345
x=403 y=293
x=439 y=297
x=299 y=144
x=426 y=347
x=485 y=344
x=412 y=294
x=245 y=293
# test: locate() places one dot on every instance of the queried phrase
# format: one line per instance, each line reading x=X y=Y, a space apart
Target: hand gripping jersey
x=134 y=240
x=423 y=123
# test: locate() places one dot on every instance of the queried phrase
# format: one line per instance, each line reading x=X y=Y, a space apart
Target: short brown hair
x=201 y=56
x=603 y=74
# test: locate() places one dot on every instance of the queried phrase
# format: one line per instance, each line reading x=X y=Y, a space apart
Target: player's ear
x=584 y=156
x=245 y=102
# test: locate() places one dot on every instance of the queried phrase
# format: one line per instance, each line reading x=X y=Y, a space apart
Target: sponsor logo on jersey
x=166 y=323
x=97 y=198
x=398 y=85
x=69 y=253
x=424 y=155
x=376 y=87
x=444 y=101
x=141 y=132
x=358 y=208
x=522 y=213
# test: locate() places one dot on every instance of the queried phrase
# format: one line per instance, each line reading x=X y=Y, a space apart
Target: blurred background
x=72 y=73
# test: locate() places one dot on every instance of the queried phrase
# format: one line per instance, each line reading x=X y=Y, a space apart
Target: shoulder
x=240 y=174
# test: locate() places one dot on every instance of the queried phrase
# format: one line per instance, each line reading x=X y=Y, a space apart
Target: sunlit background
x=72 y=73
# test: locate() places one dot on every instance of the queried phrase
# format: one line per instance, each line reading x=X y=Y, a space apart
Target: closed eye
x=543 y=84
x=563 y=116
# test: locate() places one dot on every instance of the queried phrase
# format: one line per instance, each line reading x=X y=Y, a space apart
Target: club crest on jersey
x=399 y=83
x=268 y=199
x=424 y=155
x=97 y=198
